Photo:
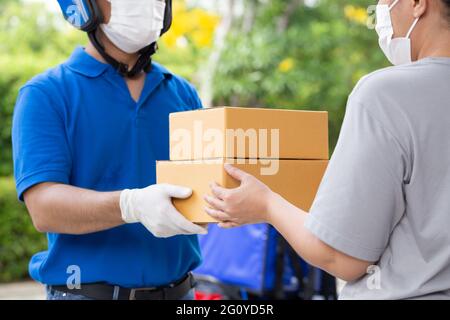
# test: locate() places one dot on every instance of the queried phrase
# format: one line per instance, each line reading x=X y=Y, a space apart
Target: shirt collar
x=157 y=68
x=83 y=63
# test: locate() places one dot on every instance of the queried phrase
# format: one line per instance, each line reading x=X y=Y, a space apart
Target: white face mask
x=135 y=24
x=397 y=50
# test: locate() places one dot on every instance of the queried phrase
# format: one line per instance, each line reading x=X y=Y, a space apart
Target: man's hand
x=153 y=208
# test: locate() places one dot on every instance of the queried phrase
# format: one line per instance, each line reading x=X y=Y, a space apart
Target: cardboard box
x=296 y=180
x=248 y=133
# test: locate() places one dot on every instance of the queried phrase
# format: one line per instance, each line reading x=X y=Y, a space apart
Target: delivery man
x=86 y=136
x=381 y=216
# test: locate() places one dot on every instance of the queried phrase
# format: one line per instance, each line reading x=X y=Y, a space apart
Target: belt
x=101 y=291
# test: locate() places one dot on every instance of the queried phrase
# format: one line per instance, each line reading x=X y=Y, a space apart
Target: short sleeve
x=40 y=148
x=360 y=199
x=196 y=101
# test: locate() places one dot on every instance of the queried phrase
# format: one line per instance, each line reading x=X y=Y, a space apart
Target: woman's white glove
x=153 y=208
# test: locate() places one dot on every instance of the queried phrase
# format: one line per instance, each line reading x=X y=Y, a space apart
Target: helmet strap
x=144 y=62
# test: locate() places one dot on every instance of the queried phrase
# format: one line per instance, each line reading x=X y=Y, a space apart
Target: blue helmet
x=86 y=15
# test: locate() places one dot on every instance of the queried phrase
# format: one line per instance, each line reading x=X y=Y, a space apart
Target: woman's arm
x=289 y=221
x=254 y=202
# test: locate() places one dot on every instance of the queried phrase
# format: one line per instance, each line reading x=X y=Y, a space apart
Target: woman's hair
x=447 y=5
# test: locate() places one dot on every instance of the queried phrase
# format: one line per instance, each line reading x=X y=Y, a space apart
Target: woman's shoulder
x=391 y=81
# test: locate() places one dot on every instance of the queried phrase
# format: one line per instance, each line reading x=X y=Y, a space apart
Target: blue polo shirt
x=77 y=124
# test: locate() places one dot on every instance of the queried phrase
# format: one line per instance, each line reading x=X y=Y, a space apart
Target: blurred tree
x=188 y=44
x=208 y=71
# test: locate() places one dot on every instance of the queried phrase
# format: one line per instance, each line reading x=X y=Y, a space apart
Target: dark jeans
x=58 y=295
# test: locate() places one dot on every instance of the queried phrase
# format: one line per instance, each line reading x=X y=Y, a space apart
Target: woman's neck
x=436 y=43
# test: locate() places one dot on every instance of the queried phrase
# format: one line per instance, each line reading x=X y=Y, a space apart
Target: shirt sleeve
x=40 y=149
x=360 y=199
x=196 y=101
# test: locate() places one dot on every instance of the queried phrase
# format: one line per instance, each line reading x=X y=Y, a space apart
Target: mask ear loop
x=393 y=4
x=414 y=23
x=412 y=28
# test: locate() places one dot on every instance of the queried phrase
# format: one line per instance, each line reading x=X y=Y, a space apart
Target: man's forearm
x=289 y=221
x=59 y=208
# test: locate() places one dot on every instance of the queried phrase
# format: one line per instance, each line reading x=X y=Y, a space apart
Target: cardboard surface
x=249 y=133
x=296 y=180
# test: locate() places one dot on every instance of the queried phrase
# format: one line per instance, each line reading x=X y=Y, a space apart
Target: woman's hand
x=249 y=203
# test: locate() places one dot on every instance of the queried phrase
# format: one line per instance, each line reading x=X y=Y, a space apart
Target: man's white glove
x=153 y=208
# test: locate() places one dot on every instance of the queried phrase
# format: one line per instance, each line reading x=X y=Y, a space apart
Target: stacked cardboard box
x=285 y=149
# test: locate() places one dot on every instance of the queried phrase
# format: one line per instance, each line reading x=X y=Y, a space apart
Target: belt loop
x=116 y=293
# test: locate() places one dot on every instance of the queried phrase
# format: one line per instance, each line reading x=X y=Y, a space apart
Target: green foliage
x=18 y=238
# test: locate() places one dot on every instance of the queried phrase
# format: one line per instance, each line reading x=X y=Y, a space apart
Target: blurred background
x=294 y=54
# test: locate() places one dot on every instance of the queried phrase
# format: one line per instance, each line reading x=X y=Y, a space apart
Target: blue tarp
x=244 y=257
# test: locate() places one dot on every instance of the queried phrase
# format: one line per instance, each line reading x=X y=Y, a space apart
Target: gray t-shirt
x=385 y=197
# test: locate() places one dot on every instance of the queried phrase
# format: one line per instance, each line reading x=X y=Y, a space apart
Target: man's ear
x=105 y=8
x=420 y=7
